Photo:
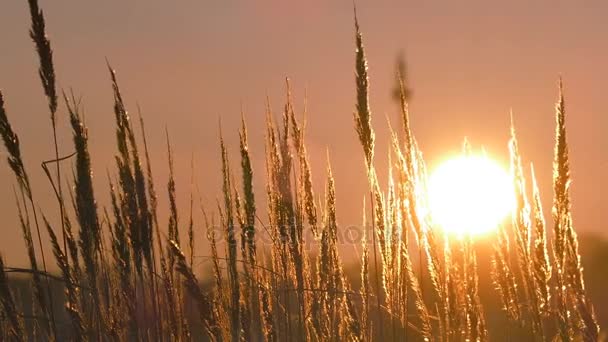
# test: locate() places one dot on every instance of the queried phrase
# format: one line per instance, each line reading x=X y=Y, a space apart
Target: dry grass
x=139 y=289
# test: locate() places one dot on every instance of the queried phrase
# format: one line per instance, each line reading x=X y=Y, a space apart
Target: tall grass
x=141 y=289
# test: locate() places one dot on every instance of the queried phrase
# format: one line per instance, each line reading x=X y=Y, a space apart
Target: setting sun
x=249 y=128
x=469 y=195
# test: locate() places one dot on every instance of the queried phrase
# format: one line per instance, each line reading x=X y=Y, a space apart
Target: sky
x=191 y=64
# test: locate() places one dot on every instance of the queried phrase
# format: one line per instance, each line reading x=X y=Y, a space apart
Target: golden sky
x=189 y=63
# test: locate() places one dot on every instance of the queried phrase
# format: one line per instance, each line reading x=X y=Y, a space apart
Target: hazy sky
x=188 y=63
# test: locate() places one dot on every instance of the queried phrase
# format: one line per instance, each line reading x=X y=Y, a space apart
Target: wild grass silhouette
x=124 y=280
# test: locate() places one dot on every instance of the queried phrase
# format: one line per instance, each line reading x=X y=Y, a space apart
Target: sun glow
x=470 y=195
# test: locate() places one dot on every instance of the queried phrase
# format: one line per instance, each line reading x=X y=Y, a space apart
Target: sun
x=470 y=195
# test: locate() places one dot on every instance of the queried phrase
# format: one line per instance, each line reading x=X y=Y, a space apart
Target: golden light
x=470 y=195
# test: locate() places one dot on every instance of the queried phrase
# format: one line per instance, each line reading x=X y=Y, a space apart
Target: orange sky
x=191 y=63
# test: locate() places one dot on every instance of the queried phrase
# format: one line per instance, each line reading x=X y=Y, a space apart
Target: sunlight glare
x=470 y=195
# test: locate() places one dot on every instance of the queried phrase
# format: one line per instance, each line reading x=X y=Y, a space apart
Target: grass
x=124 y=280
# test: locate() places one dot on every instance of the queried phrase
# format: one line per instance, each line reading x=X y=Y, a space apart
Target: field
x=277 y=271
